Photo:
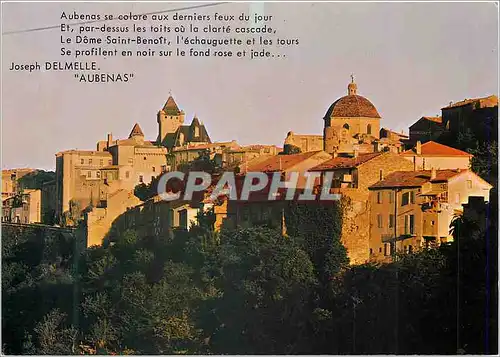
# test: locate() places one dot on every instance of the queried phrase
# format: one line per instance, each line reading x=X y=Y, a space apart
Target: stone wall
x=98 y=221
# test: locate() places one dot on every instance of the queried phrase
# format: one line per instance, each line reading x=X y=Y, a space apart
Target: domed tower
x=170 y=118
x=349 y=116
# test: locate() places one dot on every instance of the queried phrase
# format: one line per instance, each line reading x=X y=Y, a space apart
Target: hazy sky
x=409 y=59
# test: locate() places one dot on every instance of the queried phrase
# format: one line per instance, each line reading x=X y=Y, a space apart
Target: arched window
x=346 y=126
x=369 y=129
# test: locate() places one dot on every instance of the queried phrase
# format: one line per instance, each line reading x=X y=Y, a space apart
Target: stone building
x=352 y=176
x=88 y=177
x=426 y=129
x=351 y=120
x=24 y=207
x=10 y=181
x=304 y=143
x=414 y=209
x=351 y=124
x=438 y=156
x=479 y=114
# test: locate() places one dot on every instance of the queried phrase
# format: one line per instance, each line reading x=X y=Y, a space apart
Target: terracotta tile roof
x=431 y=148
x=280 y=162
x=345 y=162
x=414 y=178
x=434 y=119
x=352 y=106
x=489 y=101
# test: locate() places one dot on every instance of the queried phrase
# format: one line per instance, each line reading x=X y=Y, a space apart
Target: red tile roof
x=490 y=101
x=434 y=119
x=414 y=178
x=280 y=162
x=431 y=148
x=345 y=162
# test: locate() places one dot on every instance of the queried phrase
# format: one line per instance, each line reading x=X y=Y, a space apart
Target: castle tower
x=169 y=119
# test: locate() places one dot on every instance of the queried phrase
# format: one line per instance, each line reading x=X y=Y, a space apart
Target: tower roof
x=136 y=131
x=170 y=107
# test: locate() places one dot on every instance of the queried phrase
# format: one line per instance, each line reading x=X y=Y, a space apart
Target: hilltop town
x=403 y=191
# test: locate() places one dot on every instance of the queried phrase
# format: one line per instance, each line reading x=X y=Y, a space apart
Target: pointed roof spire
x=171 y=107
x=195 y=121
x=136 y=131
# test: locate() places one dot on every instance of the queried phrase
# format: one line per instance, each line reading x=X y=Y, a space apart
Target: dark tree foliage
x=146 y=191
x=35 y=179
x=249 y=291
x=289 y=149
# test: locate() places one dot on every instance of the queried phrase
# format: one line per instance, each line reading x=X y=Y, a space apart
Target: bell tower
x=352 y=88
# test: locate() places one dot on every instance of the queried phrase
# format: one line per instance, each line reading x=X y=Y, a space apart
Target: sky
x=408 y=59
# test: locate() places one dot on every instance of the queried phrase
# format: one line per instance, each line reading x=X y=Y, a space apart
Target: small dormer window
x=196 y=131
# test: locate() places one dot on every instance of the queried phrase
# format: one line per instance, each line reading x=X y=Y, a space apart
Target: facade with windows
x=413 y=209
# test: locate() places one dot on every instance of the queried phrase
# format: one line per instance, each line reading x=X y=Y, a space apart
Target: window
x=405 y=199
x=82 y=161
x=391 y=197
x=412 y=224
x=145 y=158
x=98 y=174
x=89 y=174
x=380 y=249
x=379 y=197
x=141 y=179
x=196 y=131
x=369 y=129
x=457 y=198
x=90 y=161
x=469 y=184
x=127 y=174
x=386 y=251
x=391 y=221
x=381 y=174
x=130 y=160
x=101 y=162
x=153 y=169
x=423 y=163
x=379 y=221
x=346 y=126
x=371 y=251
x=412 y=197
x=164 y=168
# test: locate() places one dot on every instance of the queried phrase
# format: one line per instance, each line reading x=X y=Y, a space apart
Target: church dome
x=352 y=106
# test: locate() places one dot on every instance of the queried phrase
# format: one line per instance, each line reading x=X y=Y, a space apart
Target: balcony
x=387 y=237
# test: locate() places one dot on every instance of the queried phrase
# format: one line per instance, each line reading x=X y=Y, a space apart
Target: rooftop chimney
x=433 y=173
x=418 y=148
x=110 y=139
